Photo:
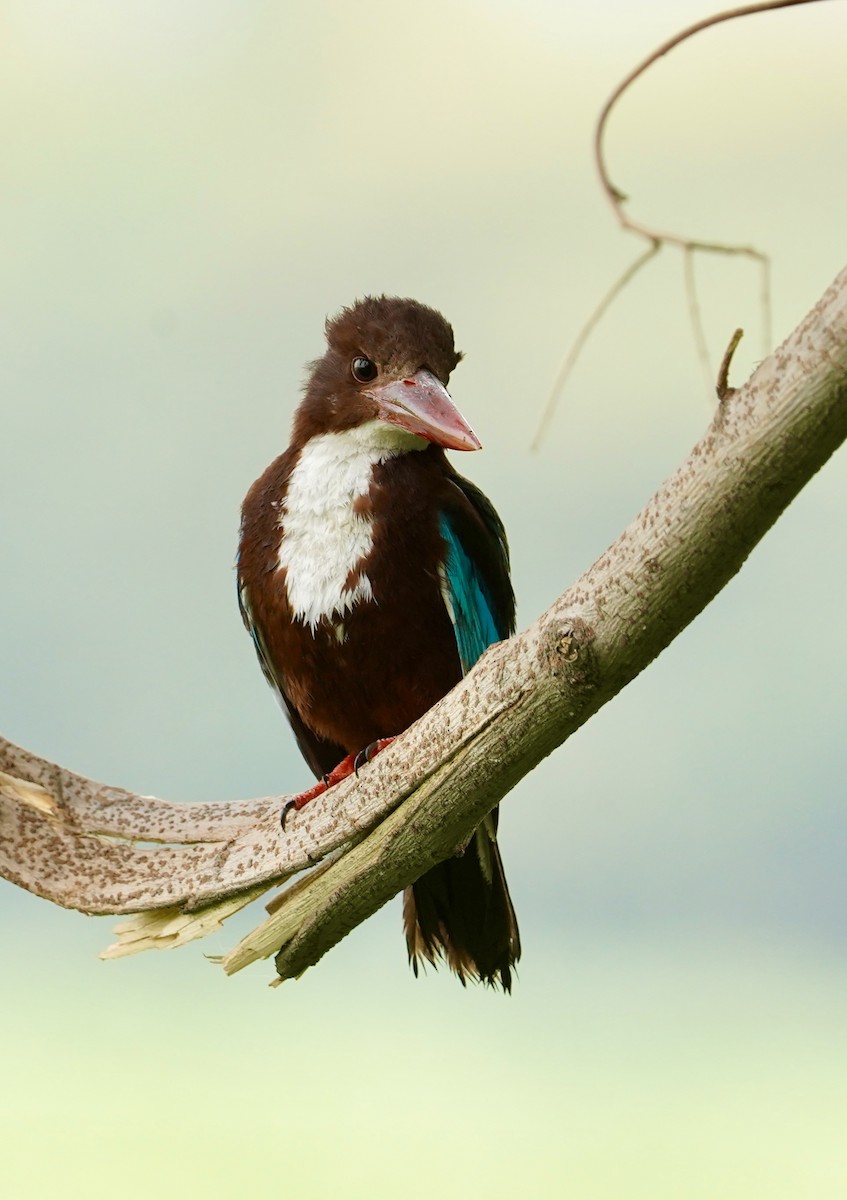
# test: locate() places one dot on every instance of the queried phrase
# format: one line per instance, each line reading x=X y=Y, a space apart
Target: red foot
x=352 y=763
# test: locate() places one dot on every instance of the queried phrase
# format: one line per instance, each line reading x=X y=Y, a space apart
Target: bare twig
x=695 y=316
x=722 y=387
x=582 y=337
x=618 y=198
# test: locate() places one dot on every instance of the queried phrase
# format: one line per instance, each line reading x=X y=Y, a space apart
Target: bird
x=371 y=577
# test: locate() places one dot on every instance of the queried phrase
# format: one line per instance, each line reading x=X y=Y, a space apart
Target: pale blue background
x=186 y=189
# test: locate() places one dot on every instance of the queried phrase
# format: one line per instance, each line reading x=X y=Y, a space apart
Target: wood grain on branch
x=183 y=868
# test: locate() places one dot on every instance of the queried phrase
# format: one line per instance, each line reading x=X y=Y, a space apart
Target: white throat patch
x=323 y=538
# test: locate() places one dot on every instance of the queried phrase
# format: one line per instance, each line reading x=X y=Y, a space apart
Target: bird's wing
x=477 y=590
x=320 y=754
x=475 y=579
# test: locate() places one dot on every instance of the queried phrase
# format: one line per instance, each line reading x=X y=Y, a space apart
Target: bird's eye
x=362 y=369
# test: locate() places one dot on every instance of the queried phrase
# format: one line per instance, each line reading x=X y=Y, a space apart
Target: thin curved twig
x=695 y=315
x=569 y=361
x=618 y=198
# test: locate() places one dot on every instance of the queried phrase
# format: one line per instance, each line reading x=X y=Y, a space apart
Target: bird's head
x=388 y=360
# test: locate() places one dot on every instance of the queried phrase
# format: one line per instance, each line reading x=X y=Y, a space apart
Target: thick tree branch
x=86 y=846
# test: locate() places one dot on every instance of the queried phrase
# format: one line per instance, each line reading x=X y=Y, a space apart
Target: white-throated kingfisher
x=371 y=577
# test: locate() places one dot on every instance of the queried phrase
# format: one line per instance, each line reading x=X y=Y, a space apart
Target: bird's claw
x=370 y=752
x=298 y=802
x=363 y=757
x=348 y=766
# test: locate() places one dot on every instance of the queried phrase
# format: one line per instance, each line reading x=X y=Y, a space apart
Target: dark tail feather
x=460 y=911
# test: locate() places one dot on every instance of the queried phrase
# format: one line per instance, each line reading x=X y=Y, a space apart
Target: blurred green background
x=187 y=188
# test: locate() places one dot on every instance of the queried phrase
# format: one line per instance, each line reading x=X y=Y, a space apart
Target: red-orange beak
x=422 y=405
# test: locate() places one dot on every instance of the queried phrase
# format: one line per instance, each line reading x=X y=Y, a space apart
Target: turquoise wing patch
x=467 y=601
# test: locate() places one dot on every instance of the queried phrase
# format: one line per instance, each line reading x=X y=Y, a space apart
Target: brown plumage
x=342 y=576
